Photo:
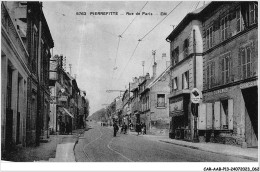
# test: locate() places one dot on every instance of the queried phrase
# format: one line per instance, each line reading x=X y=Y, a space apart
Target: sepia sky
x=90 y=42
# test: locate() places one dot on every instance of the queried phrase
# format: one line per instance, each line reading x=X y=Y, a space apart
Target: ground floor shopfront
x=181 y=119
x=229 y=115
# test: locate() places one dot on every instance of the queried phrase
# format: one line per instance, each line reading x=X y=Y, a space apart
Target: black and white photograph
x=129 y=85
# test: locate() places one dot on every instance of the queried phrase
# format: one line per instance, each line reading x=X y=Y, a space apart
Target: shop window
x=252 y=13
x=209 y=37
x=224 y=28
x=185 y=80
x=160 y=100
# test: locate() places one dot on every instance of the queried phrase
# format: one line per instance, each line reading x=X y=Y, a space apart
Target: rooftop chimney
x=154 y=69
x=147 y=76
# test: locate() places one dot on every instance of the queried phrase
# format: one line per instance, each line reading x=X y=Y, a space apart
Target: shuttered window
x=246 y=62
x=209 y=37
x=210 y=79
x=185 y=80
x=224 y=28
x=225 y=66
x=239 y=19
x=252 y=13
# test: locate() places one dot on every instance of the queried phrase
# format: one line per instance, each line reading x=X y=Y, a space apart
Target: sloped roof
x=159 y=77
x=186 y=20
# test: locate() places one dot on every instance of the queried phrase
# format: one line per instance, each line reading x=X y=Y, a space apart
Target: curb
x=193 y=147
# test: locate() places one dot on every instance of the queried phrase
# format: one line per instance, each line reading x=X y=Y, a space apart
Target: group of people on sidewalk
x=140 y=128
x=65 y=128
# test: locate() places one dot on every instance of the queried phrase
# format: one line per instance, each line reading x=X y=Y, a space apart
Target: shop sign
x=196 y=95
x=176 y=107
x=63 y=98
x=224 y=90
x=248 y=84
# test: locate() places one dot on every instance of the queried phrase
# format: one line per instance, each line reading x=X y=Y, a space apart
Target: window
x=239 y=19
x=224 y=113
x=246 y=62
x=252 y=13
x=185 y=80
x=210 y=74
x=175 y=56
x=224 y=28
x=175 y=83
x=160 y=100
x=35 y=49
x=209 y=37
x=9 y=88
x=225 y=65
x=186 y=48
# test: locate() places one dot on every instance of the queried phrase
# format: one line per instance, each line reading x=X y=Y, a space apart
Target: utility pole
x=143 y=67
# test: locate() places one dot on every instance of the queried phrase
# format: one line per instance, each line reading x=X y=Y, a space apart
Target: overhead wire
x=129 y=59
x=161 y=21
x=148 y=34
x=134 y=18
x=120 y=36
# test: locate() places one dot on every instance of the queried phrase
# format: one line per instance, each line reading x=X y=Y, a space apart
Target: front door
x=251 y=116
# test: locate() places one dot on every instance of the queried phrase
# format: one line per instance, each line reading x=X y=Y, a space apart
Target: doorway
x=250 y=96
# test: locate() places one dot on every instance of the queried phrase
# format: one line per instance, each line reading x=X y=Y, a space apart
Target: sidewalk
x=65 y=150
x=246 y=153
x=57 y=148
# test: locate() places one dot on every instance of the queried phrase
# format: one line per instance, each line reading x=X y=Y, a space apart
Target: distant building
x=159 y=90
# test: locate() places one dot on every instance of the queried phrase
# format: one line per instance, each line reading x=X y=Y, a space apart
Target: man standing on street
x=115 y=128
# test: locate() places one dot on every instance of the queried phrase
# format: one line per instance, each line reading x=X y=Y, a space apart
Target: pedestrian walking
x=115 y=129
x=144 y=128
x=138 y=128
x=124 y=127
x=67 y=127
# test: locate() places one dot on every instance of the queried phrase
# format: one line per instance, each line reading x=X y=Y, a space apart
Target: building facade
x=159 y=104
x=14 y=73
x=186 y=48
x=230 y=96
x=32 y=28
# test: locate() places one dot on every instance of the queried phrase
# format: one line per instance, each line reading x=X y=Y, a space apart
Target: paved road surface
x=98 y=145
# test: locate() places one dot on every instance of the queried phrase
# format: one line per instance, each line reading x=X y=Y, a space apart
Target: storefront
x=230 y=115
x=180 y=124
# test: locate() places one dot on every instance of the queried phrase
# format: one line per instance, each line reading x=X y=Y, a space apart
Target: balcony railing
x=161 y=104
x=9 y=26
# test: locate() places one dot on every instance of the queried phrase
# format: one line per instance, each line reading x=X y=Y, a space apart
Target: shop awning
x=68 y=113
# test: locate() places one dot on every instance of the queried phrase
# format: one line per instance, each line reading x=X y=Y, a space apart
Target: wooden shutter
x=217 y=115
x=239 y=64
x=230 y=114
x=221 y=67
x=209 y=116
x=202 y=116
x=254 y=59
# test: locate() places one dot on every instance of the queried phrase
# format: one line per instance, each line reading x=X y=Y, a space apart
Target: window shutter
x=254 y=59
x=209 y=116
x=231 y=69
x=207 y=77
x=216 y=25
x=202 y=116
x=217 y=115
x=220 y=71
x=239 y=64
x=182 y=81
x=213 y=73
x=230 y=114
